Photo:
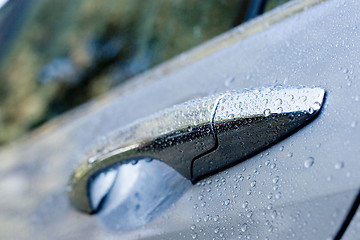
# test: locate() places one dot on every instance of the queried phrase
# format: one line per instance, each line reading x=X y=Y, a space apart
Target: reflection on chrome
x=140 y=191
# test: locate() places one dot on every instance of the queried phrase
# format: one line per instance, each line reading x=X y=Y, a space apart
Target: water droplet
x=311 y=110
x=316 y=105
x=227 y=202
x=278 y=102
x=248 y=76
x=339 y=165
x=194 y=235
x=278 y=195
x=92 y=159
x=237 y=105
x=281 y=148
x=216 y=218
x=345 y=70
x=273 y=214
x=253 y=183
x=309 y=162
x=229 y=81
x=134 y=162
x=245 y=204
x=353 y=124
x=275 y=179
x=267 y=112
x=211 y=107
x=244 y=227
x=291 y=98
x=249 y=214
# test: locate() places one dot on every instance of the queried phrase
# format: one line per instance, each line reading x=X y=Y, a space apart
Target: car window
x=58 y=54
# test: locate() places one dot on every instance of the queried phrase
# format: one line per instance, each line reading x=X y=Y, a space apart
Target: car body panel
x=352 y=232
x=302 y=187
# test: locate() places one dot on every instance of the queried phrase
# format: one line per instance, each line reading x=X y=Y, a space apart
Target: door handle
x=202 y=136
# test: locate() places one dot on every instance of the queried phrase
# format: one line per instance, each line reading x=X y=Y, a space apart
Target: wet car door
x=300 y=188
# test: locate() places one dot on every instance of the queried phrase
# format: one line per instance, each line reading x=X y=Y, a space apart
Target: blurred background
x=58 y=54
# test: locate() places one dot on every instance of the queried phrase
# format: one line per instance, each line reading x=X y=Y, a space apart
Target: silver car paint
x=300 y=188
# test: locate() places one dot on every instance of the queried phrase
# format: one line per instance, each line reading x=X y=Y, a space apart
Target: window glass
x=57 y=54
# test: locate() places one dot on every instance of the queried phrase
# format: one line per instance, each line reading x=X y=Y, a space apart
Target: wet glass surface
x=55 y=55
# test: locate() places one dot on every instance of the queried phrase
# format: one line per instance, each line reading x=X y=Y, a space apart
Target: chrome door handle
x=202 y=136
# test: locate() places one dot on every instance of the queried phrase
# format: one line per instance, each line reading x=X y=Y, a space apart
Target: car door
x=302 y=187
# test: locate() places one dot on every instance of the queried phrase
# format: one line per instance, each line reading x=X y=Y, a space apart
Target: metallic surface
x=353 y=230
x=233 y=125
x=300 y=188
